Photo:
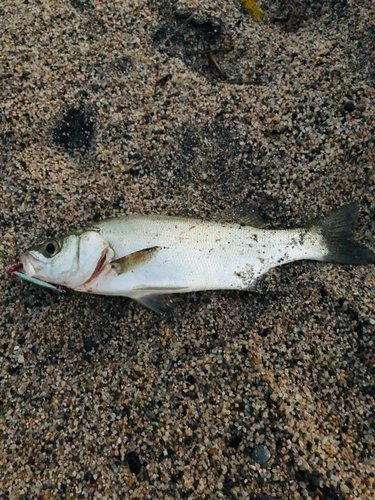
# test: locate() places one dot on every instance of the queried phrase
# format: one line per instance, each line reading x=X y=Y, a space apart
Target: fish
x=148 y=257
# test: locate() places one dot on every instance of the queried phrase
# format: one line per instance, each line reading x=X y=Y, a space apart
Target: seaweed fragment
x=211 y=55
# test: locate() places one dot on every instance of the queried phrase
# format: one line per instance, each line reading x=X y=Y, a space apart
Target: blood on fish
x=98 y=269
x=15 y=268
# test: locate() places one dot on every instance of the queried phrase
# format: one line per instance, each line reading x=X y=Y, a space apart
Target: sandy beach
x=190 y=108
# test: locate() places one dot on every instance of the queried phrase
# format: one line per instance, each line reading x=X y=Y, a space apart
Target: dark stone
x=261 y=454
x=235 y=442
x=13 y=370
x=133 y=462
x=265 y=332
x=90 y=345
x=312 y=481
x=191 y=379
x=164 y=80
x=89 y=478
x=349 y=106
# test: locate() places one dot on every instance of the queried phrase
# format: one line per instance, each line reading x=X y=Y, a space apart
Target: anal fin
x=156 y=299
x=156 y=302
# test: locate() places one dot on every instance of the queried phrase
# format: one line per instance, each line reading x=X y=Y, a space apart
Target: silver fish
x=147 y=257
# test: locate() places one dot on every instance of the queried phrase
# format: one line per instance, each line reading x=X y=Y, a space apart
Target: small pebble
x=261 y=454
x=349 y=107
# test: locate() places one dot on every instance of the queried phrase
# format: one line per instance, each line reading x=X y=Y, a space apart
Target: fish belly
x=173 y=270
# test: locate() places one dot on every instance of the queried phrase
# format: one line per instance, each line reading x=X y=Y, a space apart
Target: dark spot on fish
x=301 y=238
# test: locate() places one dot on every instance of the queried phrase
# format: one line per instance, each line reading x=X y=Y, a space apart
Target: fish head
x=69 y=260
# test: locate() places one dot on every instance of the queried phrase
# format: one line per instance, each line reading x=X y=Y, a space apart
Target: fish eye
x=51 y=248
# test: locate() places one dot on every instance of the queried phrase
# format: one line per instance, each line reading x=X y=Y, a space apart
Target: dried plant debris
x=254 y=8
x=239 y=80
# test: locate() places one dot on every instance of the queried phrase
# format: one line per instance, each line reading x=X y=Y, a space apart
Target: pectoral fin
x=136 y=259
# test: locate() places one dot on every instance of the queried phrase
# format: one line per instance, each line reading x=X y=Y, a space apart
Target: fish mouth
x=15 y=268
x=29 y=263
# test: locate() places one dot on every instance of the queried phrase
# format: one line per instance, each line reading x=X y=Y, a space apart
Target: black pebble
x=90 y=345
x=134 y=462
x=89 y=478
x=261 y=454
x=349 y=106
x=235 y=442
x=164 y=80
x=191 y=379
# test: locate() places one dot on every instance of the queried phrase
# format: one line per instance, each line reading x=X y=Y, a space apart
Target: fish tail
x=336 y=229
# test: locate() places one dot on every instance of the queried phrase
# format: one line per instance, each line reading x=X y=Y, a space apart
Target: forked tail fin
x=336 y=229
